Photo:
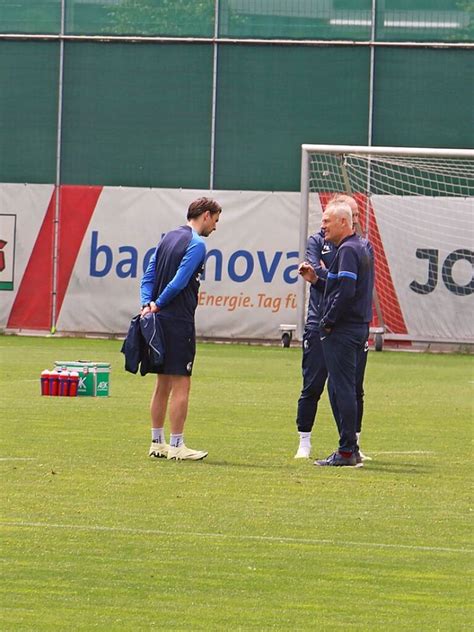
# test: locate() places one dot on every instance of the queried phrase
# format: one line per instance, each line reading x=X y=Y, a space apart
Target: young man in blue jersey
x=344 y=326
x=170 y=288
x=320 y=254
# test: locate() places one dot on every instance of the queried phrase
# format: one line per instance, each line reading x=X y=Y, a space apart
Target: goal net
x=417 y=209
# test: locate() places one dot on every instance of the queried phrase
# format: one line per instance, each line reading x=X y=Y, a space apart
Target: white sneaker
x=182 y=453
x=364 y=457
x=158 y=450
x=303 y=452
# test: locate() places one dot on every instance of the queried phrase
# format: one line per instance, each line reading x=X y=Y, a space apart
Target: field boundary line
x=225 y=536
x=407 y=452
x=17 y=458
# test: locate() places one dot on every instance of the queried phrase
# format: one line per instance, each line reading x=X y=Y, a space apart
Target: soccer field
x=96 y=535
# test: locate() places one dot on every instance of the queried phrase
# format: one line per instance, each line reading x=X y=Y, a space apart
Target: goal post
x=417 y=209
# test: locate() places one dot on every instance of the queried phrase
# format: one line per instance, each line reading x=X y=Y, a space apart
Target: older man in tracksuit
x=344 y=326
x=320 y=254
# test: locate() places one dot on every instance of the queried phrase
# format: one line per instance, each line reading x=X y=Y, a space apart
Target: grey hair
x=341 y=210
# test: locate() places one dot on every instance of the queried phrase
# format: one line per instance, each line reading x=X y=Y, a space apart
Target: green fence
x=227 y=100
x=396 y=20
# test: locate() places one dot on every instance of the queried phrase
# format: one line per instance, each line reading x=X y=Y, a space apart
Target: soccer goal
x=417 y=210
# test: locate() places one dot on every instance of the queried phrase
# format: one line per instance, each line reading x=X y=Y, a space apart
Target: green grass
x=95 y=535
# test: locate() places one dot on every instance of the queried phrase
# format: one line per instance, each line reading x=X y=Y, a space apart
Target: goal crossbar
x=427 y=152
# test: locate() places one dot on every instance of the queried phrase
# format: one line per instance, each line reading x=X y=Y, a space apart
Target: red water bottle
x=73 y=379
x=64 y=384
x=53 y=383
x=45 y=382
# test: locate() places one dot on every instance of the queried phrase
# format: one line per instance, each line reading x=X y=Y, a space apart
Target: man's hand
x=145 y=310
x=306 y=270
x=151 y=307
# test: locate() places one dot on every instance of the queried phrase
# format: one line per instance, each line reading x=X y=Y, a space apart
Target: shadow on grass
x=256 y=466
x=385 y=467
x=388 y=467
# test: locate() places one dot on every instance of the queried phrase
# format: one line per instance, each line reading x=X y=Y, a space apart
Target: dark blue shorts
x=179 y=339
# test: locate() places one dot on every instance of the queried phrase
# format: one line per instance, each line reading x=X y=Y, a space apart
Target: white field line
x=402 y=452
x=17 y=458
x=258 y=538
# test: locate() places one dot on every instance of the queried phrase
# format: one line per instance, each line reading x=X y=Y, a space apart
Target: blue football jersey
x=172 y=277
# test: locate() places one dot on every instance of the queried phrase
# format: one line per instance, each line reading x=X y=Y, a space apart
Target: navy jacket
x=349 y=284
x=143 y=347
x=318 y=250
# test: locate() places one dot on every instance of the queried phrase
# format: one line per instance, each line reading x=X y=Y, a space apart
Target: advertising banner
x=24 y=213
x=430 y=255
x=247 y=289
x=106 y=236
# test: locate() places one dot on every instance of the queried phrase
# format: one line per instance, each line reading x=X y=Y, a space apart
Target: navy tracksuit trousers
x=315 y=374
x=314 y=379
x=345 y=353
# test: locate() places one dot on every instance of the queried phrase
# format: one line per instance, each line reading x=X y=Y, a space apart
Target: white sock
x=158 y=435
x=176 y=440
x=305 y=439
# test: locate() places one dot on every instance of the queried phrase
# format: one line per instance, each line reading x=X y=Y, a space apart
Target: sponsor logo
x=458 y=279
x=238 y=266
x=189 y=367
x=7 y=251
x=103 y=386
